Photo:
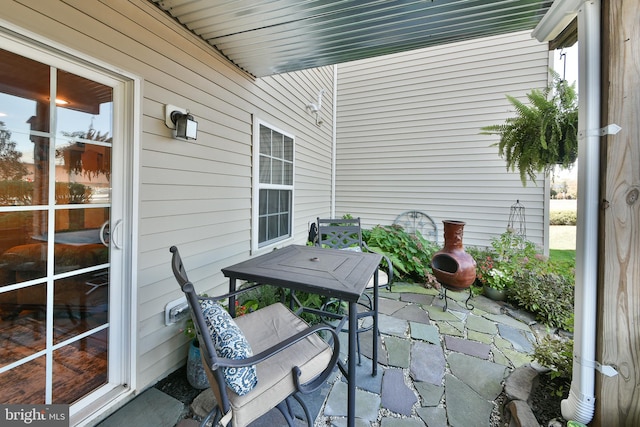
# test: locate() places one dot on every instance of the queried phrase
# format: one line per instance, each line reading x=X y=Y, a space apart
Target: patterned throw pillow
x=229 y=342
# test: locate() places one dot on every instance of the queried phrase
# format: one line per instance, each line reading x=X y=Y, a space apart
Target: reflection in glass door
x=55 y=206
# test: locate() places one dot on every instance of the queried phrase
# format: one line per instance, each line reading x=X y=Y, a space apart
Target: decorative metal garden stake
x=517 y=222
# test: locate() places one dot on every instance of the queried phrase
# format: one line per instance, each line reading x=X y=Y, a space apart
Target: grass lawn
x=566 y=257
x=563 y=255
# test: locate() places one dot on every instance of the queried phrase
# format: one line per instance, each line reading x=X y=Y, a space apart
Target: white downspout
x=334 y=141
x=580 y=404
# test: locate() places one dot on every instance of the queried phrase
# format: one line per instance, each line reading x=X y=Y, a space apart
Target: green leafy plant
x=509 y=253
x=409 y=253
x=556 y=354
x=241 y=309
x=545 y=287
x=547 y=294
x=542 y=135
x=266 y=295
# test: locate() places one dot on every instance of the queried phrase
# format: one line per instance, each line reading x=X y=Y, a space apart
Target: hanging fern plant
x=542 y=135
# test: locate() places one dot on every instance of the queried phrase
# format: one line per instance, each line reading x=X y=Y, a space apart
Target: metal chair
x=286 y=355
x=416 y=221
x=346 y=234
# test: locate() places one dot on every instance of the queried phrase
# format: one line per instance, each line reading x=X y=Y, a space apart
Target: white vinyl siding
x=408 y=135
x=193 y=194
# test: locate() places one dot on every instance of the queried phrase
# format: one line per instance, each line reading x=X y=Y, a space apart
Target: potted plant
x=542 y=135
x=493 y=278
x=196 y=374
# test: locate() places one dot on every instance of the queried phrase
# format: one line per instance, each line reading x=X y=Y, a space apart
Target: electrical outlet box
x=175 y=311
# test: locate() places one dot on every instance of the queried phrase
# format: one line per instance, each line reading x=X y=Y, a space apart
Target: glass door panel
x=25 y=383
x=22 y=326
x=80 y=367
x=80 y=304
x=55 y=205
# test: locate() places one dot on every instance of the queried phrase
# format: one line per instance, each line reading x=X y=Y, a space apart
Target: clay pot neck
x=453 y=231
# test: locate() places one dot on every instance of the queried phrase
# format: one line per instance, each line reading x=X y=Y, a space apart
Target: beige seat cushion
x=263 y=329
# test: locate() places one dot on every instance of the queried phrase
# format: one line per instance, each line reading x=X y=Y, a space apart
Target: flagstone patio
x=436 y=368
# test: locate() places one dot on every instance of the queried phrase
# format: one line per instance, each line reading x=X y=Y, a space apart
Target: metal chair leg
x=215 y=413
x=285 y=410
x=305 y=409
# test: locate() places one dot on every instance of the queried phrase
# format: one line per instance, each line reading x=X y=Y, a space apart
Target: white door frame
x=125 y=180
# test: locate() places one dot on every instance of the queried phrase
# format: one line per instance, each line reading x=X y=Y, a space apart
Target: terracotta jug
x=452 y=266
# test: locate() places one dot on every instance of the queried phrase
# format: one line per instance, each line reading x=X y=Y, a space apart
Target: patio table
x=330 y=272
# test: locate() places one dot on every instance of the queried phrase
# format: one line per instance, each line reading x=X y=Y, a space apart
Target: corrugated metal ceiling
x=265 y=37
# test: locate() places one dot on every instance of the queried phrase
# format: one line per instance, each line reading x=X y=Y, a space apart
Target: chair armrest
x=386 y=259
x=277 y=348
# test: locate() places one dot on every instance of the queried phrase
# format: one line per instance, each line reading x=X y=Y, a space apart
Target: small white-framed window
x=273 y=184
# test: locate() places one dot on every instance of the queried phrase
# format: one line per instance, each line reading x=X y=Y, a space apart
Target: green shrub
x=496 y=266
x=562 y=218
x=556 y=354
x=546 y=294
x=409 y=253
x=16 y=192
x=536 y=284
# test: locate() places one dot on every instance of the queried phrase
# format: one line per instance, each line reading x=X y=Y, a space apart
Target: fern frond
x=542 y=133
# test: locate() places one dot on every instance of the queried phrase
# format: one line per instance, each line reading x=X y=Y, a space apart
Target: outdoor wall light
x=316 y=108
x=180 y=120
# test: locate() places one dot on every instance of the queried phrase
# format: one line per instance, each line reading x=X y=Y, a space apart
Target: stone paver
x=398 y=350
x=436 y=313
x=482 y=303
x=484 y=377
x=430 y=394
x=451 y=328
x=521 y=340
x=480 y=337
x=413 y=313
x=366 y=347
x=434 y=417
x=517 y=358
x=479 y=324
x=388 y=307
x=392 y=326
x=500 y=358
x=427 y=362
x=367 y=404
x=465 y=407
x=472 y=348
x=342 y=422
x=400 y=422
x=364 y=379
x=151 y=408
x=417 y=298
x=420 y=331
x=396 y=396
x=502 y=319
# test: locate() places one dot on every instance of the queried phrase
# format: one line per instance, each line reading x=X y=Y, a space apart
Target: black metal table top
x=336 y=273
